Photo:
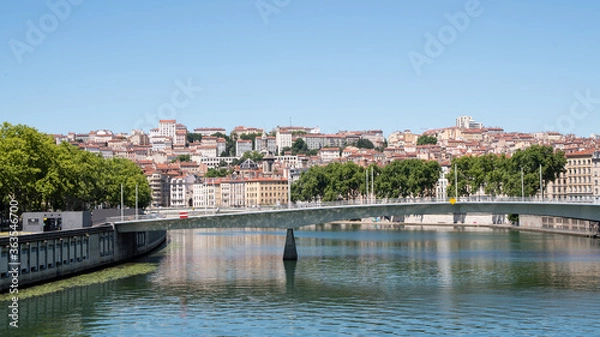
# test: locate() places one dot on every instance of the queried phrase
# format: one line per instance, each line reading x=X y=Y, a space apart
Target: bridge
x=298 y=215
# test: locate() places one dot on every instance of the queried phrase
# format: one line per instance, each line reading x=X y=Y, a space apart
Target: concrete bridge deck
x=298 y=215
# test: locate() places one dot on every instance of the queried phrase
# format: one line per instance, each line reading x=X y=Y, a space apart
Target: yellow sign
x=452 y=201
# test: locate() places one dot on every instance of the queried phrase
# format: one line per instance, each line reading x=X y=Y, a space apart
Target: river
x=346 y=282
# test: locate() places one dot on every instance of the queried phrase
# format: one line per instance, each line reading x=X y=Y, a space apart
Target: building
x=329 y=154
x=243 y=130
x=314 y=141
x=182 y=191
x=205 y=194
x=266 y=144
x=283 y=140
x=167 y=128
x=180 y=137
x=160 y=187
x=578 y=181
x=579 y=175
x=467 y=122
x=205 y=132
x=266 y=191
x=138 y=137
x=242 y=146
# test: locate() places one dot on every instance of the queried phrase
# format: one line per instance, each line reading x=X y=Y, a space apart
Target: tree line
x=348 y=181
x=44 y=176
x=516 y=175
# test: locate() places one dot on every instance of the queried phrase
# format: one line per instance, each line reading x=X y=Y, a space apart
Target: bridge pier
x=289 y=252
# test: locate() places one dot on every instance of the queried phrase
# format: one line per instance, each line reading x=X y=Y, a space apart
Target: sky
x=82 y=65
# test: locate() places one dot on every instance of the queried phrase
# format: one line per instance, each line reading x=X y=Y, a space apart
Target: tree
x=299 y=147
x=182 y=157
x=407 y=178
x=425 y=139
x=364 y=143
x=26 y=155
x=193 y=137
x=500 y=175
x=214 y=173
x=124 y=171
x=44 y=176
x=255 y=156
x=311 y=185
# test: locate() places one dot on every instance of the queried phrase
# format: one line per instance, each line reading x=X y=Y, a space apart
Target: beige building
x=159 y=184
x=266 y=191
x=577 y=182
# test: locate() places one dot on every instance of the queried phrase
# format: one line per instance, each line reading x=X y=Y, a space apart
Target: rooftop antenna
x=290 y=121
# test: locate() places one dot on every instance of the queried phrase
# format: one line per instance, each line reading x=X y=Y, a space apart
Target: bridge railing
x=191 y=212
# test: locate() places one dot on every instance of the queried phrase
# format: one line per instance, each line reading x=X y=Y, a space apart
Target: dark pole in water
x=289 y=252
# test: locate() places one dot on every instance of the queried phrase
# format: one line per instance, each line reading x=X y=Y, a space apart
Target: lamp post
x=367 y=184
x=372 y=186
x=136 y=201
x=121 y=202
x=289 y=181
x=541 y=186
x=455 y=182
x=522 y=186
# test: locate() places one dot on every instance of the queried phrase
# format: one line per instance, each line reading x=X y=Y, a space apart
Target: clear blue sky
x=338 y=64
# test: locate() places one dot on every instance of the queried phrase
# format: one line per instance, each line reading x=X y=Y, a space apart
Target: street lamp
x=136 y=201
x=522 y=186
x=455 y=182
x=121 y=202
x=289 y=181
x=541 y=186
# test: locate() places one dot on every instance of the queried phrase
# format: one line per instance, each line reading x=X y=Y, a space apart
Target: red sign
x=183 y=215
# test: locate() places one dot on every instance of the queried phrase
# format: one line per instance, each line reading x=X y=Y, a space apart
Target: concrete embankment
x=41 y=257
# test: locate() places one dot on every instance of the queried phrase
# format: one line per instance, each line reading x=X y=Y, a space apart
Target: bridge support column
x=289 y=252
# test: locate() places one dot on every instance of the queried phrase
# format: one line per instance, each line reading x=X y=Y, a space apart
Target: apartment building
x=578 y=182
x=205 y=132
x=182 y=190
x=266 y=191
x=160 y=187
x=242 y=146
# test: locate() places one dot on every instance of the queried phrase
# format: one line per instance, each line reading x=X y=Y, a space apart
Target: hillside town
x=257 y=165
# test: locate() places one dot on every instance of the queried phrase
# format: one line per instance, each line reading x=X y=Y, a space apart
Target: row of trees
x=41 y=175
x=406 y=178
x=501 y=175
x=412 y=178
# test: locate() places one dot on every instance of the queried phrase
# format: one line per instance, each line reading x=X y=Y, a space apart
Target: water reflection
x=229 y=282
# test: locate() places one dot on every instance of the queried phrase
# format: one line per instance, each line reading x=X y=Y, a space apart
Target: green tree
x=44 y=176
x=26 y=155
x=311 y=185
x=425 y=139
x=214 y=173
x=182 y=158
x=299 y=147
x=364 y=143
x=124 y=171
x=193 y=137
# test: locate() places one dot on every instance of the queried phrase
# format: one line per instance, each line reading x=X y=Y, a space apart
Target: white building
x=204 y=195
x=181 y=191
x=242 y=146
x=167 y=128
x=283 y=140
x=205 y=132
x=329 y=154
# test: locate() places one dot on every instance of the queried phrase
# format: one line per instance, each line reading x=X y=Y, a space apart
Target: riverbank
x=32 y=259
